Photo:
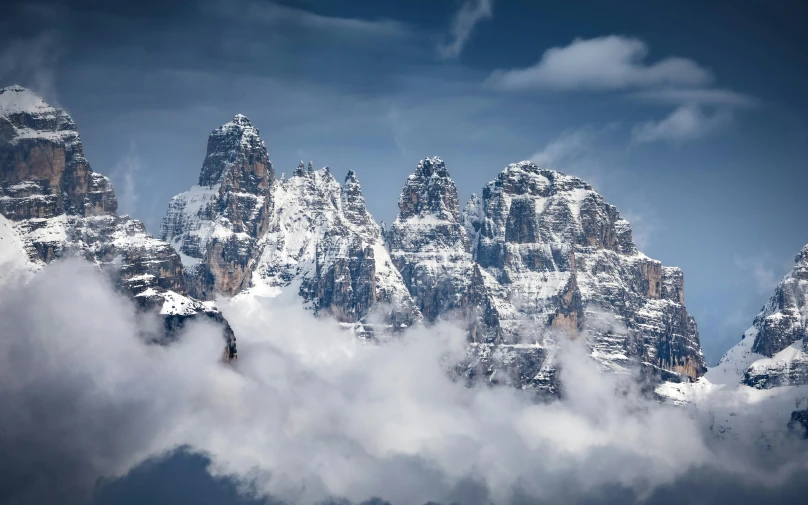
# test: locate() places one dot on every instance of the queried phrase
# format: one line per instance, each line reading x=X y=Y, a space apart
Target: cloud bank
x=308 y=413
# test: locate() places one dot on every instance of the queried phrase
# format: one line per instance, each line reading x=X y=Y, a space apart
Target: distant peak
x=310 y=168
x=351 y=177
x=241 y=120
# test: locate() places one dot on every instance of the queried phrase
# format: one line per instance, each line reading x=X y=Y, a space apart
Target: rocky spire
x=216 y=225
x=430 y=191
x=353 y=204
x=237 y=157
x=429 y=244
x=300 y=171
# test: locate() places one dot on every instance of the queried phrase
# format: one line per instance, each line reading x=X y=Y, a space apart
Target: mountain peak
x=429 y=191
x=16 y=99
x=230 y=147
x=241 y=120
x=300 y=171
x=430 y=166
x=351 y=177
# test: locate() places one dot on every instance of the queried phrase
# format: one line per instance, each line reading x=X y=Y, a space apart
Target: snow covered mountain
x=240 y=229
x=764 y=377
x=774 y=350
x=53 y=205
x=538 y=255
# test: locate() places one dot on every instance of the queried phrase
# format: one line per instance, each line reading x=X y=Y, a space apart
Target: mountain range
x=537 y=257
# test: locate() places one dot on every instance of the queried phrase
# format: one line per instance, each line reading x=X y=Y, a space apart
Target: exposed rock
x=429 y=244
x=773 y=351
x=60 y=207
x=542 y=255
x=565 y=260
x=216 y=224
x=322 y=239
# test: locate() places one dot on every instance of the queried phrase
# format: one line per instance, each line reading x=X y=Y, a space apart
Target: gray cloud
x=471 y=13
x=32 y=62
x=604 y=63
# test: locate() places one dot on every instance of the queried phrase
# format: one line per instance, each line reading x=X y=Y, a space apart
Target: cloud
x=763 y=270
x=310 y=413
x=465 y=19
x=31 y=62
x=604 y=63
x=123 y=176
x=699 y=96
x=275 y=15
x=570 y=145
x=687 y=122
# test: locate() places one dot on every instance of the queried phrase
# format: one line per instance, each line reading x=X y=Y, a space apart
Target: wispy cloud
x=123 y=175
x=700 y=96
x=763 y=270
x=688 y=122
x=471 y=12
x=604 y=63
x=31 y=62
x=274 y=14
x=570 y=145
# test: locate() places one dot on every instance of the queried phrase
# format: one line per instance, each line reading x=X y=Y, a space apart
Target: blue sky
x=690 y=118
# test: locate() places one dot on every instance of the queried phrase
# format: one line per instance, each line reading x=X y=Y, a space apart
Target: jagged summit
x=215 y=225
x=241 y=120
x=231 y=148
x=429 y=191
x=60 y=207
x=428 y=243
x=16 y=99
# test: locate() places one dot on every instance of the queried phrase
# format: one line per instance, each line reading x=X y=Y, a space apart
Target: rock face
x=429 y=245
x=216 y=224
x=776 y=347
x=324 y=243
x=241 y=229
x=543 y=254
x=56 y=206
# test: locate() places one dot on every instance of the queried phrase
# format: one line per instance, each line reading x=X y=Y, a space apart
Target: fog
x=309 y=414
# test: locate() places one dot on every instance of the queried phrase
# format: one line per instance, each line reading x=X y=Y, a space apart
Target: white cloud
x=604 y=63
x=470 y=13
x=570 y=145
x=309 y=413
x=687 y=122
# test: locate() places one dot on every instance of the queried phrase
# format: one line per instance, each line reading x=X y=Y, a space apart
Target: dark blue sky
x=690 y=118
